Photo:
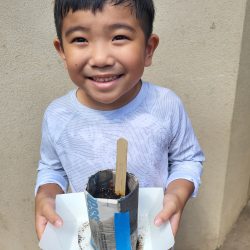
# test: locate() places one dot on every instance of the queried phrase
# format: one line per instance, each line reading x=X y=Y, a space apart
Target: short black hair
x=144 y=11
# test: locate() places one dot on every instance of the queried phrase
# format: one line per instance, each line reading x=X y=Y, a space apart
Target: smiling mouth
x=104 y=79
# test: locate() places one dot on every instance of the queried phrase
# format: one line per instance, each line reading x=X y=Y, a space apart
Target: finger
x=175 y=221
x=40 y=226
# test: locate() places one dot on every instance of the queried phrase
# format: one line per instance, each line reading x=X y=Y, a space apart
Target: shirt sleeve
x=185 y=154
x=50 y=169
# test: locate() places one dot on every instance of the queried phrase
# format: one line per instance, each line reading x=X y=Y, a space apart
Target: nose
x=101 y=56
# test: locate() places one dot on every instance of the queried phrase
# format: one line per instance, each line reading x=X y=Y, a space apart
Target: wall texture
x=238 y=167
x=203 y=56
x=200 y=55
x=31 y=76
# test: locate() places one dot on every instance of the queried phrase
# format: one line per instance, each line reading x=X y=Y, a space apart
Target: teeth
x=104 y=79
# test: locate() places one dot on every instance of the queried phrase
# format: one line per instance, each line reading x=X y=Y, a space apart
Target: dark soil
x=139 y=244
x=107 y=193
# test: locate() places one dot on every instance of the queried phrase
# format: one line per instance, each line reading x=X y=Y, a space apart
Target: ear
x=59 y=48
x=151 y=45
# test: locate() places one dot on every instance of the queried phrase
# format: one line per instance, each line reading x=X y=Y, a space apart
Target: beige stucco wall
x=30 y=77
x=199 y=57
x=238 y=168
x=201 y=47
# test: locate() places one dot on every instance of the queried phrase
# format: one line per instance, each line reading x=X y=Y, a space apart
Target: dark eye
x=120 y=37
x=79 y=40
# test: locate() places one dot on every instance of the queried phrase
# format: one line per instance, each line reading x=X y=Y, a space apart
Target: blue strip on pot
x=122 y=231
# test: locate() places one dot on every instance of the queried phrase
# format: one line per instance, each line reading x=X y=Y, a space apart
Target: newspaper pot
x=103 y=211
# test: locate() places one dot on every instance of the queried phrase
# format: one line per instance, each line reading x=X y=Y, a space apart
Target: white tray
x=73 y=211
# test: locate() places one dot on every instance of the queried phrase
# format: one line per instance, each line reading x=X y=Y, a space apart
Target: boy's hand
x=171 y=211
x=45 y=208
x=175 y=198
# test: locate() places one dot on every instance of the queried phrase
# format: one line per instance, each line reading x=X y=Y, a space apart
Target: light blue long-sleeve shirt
x=78 y=141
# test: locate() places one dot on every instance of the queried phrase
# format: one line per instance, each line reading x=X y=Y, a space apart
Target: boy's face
x=105 y=54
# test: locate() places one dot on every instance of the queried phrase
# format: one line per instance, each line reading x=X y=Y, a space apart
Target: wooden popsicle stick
x=121 y=167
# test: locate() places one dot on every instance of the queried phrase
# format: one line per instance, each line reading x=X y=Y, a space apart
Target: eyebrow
x=114 y=26
x=121 y=26
x=76 y=28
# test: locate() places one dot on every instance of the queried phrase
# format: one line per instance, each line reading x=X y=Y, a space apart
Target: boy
x=105 y=46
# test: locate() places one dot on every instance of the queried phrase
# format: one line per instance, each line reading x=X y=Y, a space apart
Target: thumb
x=163 y=216
x=55 y=220
x=49 y=216
x=53 y=217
